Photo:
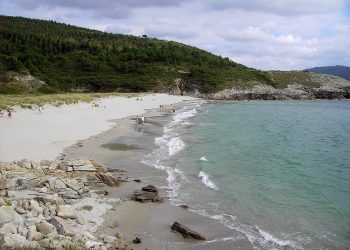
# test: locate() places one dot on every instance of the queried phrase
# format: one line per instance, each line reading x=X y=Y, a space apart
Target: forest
x=69 y=58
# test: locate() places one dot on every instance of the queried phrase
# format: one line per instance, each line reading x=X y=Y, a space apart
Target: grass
x=31 y=101
x=281 y=79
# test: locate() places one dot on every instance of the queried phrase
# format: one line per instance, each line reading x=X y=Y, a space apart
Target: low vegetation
x=35 y=101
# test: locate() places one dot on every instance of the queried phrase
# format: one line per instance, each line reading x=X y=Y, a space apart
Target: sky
x=263 y=34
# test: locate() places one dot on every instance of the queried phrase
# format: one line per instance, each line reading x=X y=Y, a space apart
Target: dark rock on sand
x=184 y=206
x=137 y=240
x=150 y=188
x=148 y=193
x=186 y=232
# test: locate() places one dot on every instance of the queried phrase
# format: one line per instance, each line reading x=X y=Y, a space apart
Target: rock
x=45 y=228
x=62 y=227
x=20 y=210
x=137 y=180
x=8 y=214
x=109 y=179
x=88 y=167
x=73 y=184
x=65 y=211
x=89 y=236
x=90 y=244
x=119 y=235
x=56 y=184
x=80 y=219
x=53 y=166
x=8 y=228
x=137 y=240
x=109 y=239
x=86 y=207
x=43 y=190
x=45 y=163
x=36 y=208
x=32 y=221
x=46 y=212
x=2 y=183
x=26 y=205
x=33 y=234
x=150 y=188
x=11 y=193
x=17 y=241
x=144 y=196
x=184 y=206
x=186 y=232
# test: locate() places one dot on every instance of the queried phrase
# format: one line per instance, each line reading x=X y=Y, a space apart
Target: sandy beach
x=35 y=136
x=109 y=135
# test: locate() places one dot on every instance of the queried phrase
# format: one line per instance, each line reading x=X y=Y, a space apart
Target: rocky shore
x=57 y=204
x=296 y=86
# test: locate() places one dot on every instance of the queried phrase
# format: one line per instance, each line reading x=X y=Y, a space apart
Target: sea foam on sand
x=36 y=136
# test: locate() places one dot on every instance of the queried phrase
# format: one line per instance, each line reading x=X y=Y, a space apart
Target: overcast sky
x=264 y=34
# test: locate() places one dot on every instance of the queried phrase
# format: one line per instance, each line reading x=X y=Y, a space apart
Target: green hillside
x=69 y=58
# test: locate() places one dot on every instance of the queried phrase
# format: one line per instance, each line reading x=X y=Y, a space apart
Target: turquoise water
x=276 y=172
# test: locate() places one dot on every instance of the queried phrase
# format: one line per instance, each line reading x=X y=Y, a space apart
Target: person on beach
x=1 y=113
x=173 y=110
x=143 y=119
x=40 y=109
x=137 y=119
x=9 y=114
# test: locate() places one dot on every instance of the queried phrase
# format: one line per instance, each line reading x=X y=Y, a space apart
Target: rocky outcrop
x=300 y=85
x=54 y=204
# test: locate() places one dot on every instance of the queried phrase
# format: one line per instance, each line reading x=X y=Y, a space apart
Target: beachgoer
x=143 y=119
x=173 y=110
x=137 y=119
x=9 y=114
x=40 y=109
x=1 y=113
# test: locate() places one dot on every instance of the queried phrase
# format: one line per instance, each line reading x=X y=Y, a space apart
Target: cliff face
x=319 y=86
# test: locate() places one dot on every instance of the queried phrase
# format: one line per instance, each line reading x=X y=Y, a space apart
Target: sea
x=277 y=172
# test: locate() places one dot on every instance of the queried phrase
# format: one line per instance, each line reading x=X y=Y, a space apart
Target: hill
x=338 y=70
x=69 y=58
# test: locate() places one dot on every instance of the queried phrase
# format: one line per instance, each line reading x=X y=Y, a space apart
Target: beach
x=108 y=134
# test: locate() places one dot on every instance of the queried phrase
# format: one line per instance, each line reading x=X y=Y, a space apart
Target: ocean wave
x=206 y=181
x=175 y=145
x=272 y=239
x=203 y=158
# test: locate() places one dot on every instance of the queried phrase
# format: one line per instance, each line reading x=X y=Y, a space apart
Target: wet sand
x=122 y=148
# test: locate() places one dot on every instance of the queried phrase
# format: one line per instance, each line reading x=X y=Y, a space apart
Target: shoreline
x=150 y=221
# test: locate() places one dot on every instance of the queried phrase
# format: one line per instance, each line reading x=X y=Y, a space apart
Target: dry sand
x=36 y=136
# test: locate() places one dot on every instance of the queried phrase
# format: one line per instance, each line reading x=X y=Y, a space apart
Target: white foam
x=205 y=180
x=175 y=145
x=203 y=158
x=270 y=238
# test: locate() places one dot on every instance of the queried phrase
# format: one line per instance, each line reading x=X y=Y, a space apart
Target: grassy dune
x=32 y=101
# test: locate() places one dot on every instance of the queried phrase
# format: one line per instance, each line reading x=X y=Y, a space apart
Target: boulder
x=150 y=188
x=20 y=210
x=65 y=211
x=45 y=228
x=186 y=232
x=8 y=228
x=33 y=234
x=17 y=241
x=73 y=184
x=8 y=214
x=62 y=227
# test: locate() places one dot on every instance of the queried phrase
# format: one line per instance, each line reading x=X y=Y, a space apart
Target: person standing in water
x=143 y=119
